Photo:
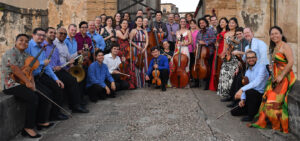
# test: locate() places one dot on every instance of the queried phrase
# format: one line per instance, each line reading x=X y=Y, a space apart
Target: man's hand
x=107 y=90
x=115 y=72
x=57 y=68
x=79 y=52
x=155 y=66
x=147 y=77
x=113 y=86
x=72 y=61
x=242 y=103
x=123 y=59
x=154 y=29
x=238 y=94
x=46 y=62
x=60 y=84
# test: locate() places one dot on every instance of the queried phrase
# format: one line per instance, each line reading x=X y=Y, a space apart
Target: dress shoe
x=112 y=95
x=79 y=109
x=246 y=119
x=41 y=127
x=60 y=116
x=83 y=102
x=231 y=105
x=225 y=99
x=25 y=134
x=163 y=88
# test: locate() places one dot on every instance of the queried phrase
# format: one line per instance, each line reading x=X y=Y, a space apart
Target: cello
x=200 y=69
x=218 y=62
x=179 y=78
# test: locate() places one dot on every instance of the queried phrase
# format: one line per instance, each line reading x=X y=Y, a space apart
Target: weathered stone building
x=168 y=8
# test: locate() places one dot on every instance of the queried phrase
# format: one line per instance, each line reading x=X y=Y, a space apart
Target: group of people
x=115 y=53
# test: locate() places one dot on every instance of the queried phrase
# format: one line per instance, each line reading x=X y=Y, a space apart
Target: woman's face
x=189 y=17
x=275 y=35
x=145 y=22
x=166 y=45
x=139 y=22
x=223 y=23
x=193 y=25
x=182 y=23
x=124 y=24
x=109 y=22
x=118 y=17
x=232 y=24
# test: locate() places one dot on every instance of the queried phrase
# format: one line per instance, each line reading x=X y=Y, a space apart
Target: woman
x=230 y=65
x=166 y=50
x=187 y=40
x=126 y=51
x=117 y=19
x=108 y=33
x=139 y=38
x=222 y=28
x=188 y=17
x=192 y=47
x=98 y=24
x=274 y=103
x=146 y=25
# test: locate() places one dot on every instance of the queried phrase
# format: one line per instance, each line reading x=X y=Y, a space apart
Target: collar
x=254 y=67
x=57 y=41
x=45 y=42
x=88 y=32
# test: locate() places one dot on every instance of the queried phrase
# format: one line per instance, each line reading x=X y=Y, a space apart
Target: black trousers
x=120 y=84
x=96 y=92
x=164 y=77
x=56 y=93
x=253 y=101
x=236 y=85
x=192 y=62
x=37 y=107
x=71 y=87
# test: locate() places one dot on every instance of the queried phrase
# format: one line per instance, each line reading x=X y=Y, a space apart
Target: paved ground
x=149 y=114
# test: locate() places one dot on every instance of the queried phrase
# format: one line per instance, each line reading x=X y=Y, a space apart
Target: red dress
x=212 y=87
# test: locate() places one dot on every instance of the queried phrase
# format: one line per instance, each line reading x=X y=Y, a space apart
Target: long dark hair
x=219 y=29
x=272 y=44
x=235 y=20
x=138 y=17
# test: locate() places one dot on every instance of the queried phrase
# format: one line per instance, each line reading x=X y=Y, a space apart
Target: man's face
x=83 y=28
x=171 y=18
x=22 y=43
x=115 y=50
x=126 y=17
x=248 y=34
x=72 y=31
x=158 y=17
x=177 y=18
x=62 y=34
x=145 y=22
x=39 y=37
x=92 y=27
x=97 y=21
x=214 y=21
x=139 y=13
x=239 y=35
x=100 y=57
x=202 y=24
x=51 y=34
x=251 y=59
x=166 y=45
x=155 y=53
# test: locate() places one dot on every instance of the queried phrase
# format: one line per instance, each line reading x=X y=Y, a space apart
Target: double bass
x=179 y=78
x=218 y=62
x=200 y=69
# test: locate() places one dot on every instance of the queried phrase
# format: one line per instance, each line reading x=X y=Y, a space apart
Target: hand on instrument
x=147 y=78
x=217 y=44
x=139 y=48
x=113 y=86
x=144 y=49
x=60 y=84
x=238 y=94
x=79 y=52
x=160 y=30
x=154 y=29
x=155 y=66
x=123 y=59
x=235 y=52
x=46 y=62
x=242 y=103
x=57 y=68
x=222 y=55
x=72 y=61
x=30 y=85
x=113 y=39
x=107 y=90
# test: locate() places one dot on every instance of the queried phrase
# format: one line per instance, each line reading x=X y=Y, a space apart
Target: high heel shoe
x=26 y=134
x=40 y=127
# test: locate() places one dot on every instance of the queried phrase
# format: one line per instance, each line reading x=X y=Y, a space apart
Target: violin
x=155 y=73
x=179 y=78
x=86 y=55
x=218 y=62
x=200 y=69
x=123 y=66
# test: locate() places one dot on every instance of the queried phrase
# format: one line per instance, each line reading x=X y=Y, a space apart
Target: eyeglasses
x=251 y=57
x=84 y=27
x=62 y=33
x=41 y=35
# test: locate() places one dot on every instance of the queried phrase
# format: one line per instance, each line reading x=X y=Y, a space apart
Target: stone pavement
x=149 y=114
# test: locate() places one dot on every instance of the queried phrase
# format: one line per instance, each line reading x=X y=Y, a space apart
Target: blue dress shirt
x=33 y=49
x=260 y=48
x=54 y=60
x=72 y=45
x=97 y=74
x=100 y=43
x=258 y=76
x=162 y=62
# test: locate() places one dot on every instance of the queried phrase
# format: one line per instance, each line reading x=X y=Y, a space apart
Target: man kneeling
x=100 y=83
x=258 y=76
x=161 y=63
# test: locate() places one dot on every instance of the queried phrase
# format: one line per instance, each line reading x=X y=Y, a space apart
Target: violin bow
x=50 y=55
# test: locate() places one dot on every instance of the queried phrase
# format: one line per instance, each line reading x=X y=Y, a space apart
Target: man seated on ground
x=161 y=63
x=250 y=95
x=97 y=85
x=112 y=60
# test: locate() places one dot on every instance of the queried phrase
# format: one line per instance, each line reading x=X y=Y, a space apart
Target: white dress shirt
x=112 y=63
x=64 y=55
x=260 y=48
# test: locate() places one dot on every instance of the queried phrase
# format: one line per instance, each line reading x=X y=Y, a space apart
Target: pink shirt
x=194 y=41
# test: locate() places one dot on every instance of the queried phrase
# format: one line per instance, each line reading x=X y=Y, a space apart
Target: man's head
x=72 y=30
x=50 y=34
x=214 y=21
x=158 y=15
x=83 y=26
x=145 y=22
x=189 y=17
x=126 y=16
x=155 y=52
x=61 y=34
x=239 y=33
x=207 y=17
x=251 y=58
x=139 y=13
x=38 y=35
x=115 y=48
x=248 y=34
x=177 y=17
x=171 y=18
x=98 y=21
x=92 y=27
x=99 y=56
x=202 y=23
x=22 y=41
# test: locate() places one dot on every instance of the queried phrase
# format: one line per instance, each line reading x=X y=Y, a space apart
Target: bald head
x=92 y=26
x=62 y=34
x=248 y=34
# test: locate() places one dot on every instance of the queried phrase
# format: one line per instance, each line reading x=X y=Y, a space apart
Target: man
x=206 y=37
x=46 y=77
x=70 y=40
x=177 y=18
x=159 y=26
x=37 y=107
x=250 y=95
x=97 y=40
x=256 y=45
x=83 y=41
x=214 y=23
x=172 y=27
x=97 y=24
x=97 y=74
x=112 y=60
x=161 y=63
x=71 y=85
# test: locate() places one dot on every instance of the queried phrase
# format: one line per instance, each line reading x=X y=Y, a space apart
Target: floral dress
x=108 y=42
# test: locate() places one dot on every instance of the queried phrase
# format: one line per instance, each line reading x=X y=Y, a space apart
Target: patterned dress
x=274 y=106
x=124 y=50
x=108 y=42
x=140 y=40
x=227 y=72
